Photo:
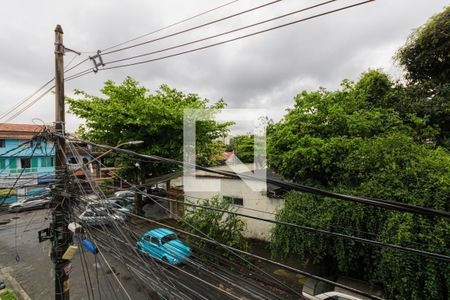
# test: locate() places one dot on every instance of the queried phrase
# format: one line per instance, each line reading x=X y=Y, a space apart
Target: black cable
x=17 y=257
x=306 y=228
x=216 y=241
x=100 y=194
x=309 y=229
x=25 y=100
x=222 y=33
x=73 y=151
x=16 y=114
x=19 y=146
x=388 y=204
x=193 y=28
x=171 y=25
x=263 y=259
x=84 y=271
x=22 y=102
x=17 y=179
x=313 y=275
x=239 y=37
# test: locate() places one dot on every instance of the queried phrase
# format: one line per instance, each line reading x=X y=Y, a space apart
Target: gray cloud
x=264 y=71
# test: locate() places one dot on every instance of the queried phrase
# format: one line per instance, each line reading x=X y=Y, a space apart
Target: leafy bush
x=223 y=227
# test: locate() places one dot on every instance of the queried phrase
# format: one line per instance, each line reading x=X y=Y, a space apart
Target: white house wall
x=252 y=201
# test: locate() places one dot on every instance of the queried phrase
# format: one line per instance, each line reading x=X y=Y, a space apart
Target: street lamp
x=118 y=146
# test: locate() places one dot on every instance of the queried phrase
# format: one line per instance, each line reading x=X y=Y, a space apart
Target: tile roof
x=24 y=131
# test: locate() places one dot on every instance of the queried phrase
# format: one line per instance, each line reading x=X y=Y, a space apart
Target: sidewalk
x=12 y=284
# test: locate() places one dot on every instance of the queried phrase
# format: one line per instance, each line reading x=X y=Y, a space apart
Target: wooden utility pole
x=60 y=235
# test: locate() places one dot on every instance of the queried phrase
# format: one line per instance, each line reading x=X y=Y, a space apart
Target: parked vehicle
x=158 y=192
x=124 y=194
x=123 y=205
x=116 y=202
x=318 y=290
x=163 y=244
x=30 y=204
x=99 y=216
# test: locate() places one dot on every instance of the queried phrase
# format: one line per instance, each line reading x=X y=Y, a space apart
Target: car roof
x=159 y=232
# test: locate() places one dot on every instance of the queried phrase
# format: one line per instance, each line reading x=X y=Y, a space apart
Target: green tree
x=425 y=56
x=244 y=147
x=223 y=227
x=350 y=141
x=425 y=59
x=129 y=112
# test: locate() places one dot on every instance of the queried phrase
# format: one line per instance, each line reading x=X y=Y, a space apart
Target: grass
x=8 y=295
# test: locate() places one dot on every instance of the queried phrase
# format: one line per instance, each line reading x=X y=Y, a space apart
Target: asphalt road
x=34 y=271
x=197 y=277
x=140 y=277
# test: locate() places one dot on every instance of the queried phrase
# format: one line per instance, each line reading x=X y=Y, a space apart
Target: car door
x=152 y=245
x=29 y=203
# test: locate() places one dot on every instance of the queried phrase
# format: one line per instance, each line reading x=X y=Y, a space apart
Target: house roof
x=21 y=131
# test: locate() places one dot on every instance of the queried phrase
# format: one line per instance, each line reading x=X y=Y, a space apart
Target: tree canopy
x=353 y=141
x=426 y=54
x=375 y=138
x=128 y=112
x=244 y=147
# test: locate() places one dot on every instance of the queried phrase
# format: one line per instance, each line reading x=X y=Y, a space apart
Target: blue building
x=16 y=153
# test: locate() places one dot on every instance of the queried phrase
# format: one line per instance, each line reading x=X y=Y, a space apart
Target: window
x=233 y=200
x=89 y=214
x=34 y=162
x=155 y=240
x=168 y=238
x=147 y=238
x=47 y=162
x=2 y=143
x=25 y=143
x=25 y=163
x=12 y=163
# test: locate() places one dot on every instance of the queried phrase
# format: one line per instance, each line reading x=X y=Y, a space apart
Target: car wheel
x=164 y=259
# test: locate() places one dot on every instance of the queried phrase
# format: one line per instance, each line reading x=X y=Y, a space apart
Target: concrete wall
x=254 y=203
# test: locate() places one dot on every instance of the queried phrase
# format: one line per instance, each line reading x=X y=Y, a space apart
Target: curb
x=13 y=284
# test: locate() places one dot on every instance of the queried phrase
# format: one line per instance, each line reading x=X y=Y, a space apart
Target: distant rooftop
x=21 y=131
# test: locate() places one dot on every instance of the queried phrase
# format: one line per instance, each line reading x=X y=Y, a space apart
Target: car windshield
x=168 y=238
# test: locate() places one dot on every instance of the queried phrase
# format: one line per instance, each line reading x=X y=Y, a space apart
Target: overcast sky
x=264 y=71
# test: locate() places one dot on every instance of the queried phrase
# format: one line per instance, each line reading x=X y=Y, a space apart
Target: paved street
x=34 y=270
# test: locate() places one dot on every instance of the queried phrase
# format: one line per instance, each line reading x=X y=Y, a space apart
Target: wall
x=254 y=203
x=41 y=165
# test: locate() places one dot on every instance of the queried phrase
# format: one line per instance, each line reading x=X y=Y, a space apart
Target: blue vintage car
x=163 y=244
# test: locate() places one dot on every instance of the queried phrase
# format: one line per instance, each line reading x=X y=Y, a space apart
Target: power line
x=28 y=105
x=101 y=195
x=208 y=239
x=193 y=28
x=223 y=33
x=259 y=270
x=89 y=70
x=240 y=37
x=387 y=204
x=171 y=25
x=308 y=229
x=8 y=112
